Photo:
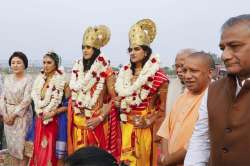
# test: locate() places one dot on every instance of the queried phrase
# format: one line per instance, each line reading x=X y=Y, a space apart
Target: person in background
x=1 y=84
x=177 y=86
x=1 y=118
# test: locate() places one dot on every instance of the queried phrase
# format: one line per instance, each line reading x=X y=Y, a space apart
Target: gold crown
x=142 y=33
x=97 y=36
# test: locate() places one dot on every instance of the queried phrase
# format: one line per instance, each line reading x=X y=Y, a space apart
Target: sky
x=37 y=26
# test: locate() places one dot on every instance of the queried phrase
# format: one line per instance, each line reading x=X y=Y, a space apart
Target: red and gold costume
x=143 y=99
x=91 y=94
x=47 y=94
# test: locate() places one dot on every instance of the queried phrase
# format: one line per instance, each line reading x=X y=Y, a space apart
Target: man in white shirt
x=221 y=135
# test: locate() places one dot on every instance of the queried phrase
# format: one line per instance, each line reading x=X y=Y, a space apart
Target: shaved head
x=197 y=71
x=206 y=58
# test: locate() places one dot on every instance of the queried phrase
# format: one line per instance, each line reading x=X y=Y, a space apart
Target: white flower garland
x=134 y=94
x=53 y=95
x=81 y=83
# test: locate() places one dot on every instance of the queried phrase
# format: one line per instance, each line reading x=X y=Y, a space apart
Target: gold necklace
x=137 y=71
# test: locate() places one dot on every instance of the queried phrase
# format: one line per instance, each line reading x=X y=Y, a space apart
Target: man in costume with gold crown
x=142 y=88
x=92 y=81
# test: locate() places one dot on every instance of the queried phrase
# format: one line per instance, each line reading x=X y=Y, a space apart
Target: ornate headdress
x=97 y=36
x=142 y=33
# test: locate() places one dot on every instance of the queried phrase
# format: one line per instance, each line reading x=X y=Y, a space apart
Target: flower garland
x=133 y=94
x=82 y=83
x=53 y=95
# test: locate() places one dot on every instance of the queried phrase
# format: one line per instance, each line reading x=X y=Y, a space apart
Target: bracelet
x=163 y=159
x=148 y=122
x=101 y=117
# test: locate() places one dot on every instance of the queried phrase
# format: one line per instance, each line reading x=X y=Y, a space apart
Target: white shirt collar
x=240 y=84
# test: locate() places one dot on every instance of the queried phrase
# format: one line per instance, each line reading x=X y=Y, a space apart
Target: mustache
x=229 y=63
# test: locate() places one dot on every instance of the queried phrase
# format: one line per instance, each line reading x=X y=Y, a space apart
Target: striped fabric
x=114 y=133
x=159 y=78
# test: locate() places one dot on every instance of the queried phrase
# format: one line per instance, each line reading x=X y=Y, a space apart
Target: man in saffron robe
x=181 y=120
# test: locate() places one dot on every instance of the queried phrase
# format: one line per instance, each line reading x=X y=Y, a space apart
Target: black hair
x=148 y=51
x=21 y=56
x=53 y=56
x=91 y=156
x=87 y=63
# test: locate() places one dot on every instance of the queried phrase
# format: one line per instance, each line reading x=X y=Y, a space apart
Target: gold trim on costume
x=49 y=163
x=28 y=148
x=44 y=142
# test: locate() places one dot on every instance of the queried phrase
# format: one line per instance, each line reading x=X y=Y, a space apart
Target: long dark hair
x=148 y=51
x=87 y=63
